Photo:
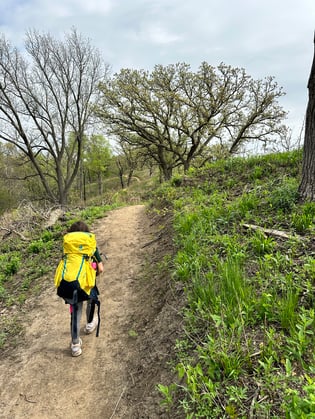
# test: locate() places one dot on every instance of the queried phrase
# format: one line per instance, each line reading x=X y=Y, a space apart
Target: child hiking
x=75 y=280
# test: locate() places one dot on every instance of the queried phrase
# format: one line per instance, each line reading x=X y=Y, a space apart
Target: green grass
x=249 y=337
x=248 y=344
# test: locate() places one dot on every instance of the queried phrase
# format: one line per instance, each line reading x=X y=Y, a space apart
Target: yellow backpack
x=75 y=271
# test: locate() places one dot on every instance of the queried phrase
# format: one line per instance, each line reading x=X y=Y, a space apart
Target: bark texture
x=307 y=185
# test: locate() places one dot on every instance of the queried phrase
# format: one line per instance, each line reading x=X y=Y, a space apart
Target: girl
x=76 y=264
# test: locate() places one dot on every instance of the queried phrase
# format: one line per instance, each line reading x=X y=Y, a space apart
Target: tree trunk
x=120 y=173
x=307 y=185
x=129 y=177
x=99 y=183
x=167 y=172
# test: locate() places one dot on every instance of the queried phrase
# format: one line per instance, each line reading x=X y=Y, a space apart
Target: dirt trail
x=116 y=374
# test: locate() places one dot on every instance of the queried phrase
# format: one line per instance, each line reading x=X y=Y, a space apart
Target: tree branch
x=273 y=232
x=13 y=231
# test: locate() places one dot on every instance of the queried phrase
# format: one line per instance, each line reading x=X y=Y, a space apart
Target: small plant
x=257 y=172
x=302 y=222
x=167 y=393
x=2 y=291
x=132 y=333
x=301 y=406
x=247 y=203
x=236 y=393
x=36 y=247
x=26 y=283
x=287 y=306
x=285 y=196
x=39 y=246
x=302 y=335
x=234 y=288
x=309 y=267
x=12 y=265
x=47 y=236
x=264 y=307
x=309 y=209
x=261 y=244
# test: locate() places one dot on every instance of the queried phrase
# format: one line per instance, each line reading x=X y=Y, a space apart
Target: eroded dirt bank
x=115 y=377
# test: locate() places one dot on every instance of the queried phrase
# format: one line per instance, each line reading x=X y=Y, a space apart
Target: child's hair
x=78 y=226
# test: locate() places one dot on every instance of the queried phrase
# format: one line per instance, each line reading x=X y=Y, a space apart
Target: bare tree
x=45 y=96
x=307 y=185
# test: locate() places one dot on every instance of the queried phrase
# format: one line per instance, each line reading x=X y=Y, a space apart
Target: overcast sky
x=266 y=37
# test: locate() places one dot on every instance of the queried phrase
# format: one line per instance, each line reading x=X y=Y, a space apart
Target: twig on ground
x=117 y=404
x=27 y=399
x=131 y=375
x=152 y=241
x=252 y=405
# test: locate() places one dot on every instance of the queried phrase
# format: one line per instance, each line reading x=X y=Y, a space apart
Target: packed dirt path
x=117 y=373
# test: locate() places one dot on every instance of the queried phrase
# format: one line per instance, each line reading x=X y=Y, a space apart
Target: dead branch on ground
x=10 y=231
x=273 y=232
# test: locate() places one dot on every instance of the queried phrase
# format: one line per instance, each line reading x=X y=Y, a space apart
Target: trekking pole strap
x=98 y=303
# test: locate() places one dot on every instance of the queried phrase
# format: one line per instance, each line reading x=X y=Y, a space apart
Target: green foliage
x=261 y=244
x=287 y=305
x=301 y=406
x=303 y=219
x=207 y=98
x=36 y=246
x=167 y=393
x=248 y=344
x=47 y=236
x=258 y=172
x=302 y=335
x=302 y=222
x=249 y=318
x=246 y=203
x=10 y=264
x=285 y=195
x=176 y=180
x=91 y=213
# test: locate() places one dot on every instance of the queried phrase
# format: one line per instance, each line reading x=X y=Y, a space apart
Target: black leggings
x=76 y=314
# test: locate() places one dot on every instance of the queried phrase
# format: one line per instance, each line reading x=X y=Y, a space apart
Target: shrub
x=11 y=264
x=285 y=196
x=36 y=247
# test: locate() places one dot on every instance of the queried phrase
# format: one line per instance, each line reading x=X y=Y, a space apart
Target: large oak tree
x=46 y=94
x=176 y=115
x=307 y=185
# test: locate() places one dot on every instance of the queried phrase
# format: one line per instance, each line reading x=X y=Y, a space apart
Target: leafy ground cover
x=245 y=258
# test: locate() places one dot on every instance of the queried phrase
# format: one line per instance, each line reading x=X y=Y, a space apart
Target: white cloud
x=155 y=34
x=266 y=37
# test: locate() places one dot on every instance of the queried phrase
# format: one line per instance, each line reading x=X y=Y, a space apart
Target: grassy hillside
x=248 y=348
x=244 y=264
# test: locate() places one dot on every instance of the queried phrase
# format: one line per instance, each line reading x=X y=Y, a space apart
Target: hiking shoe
x=90 y=327
x=76 y=348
